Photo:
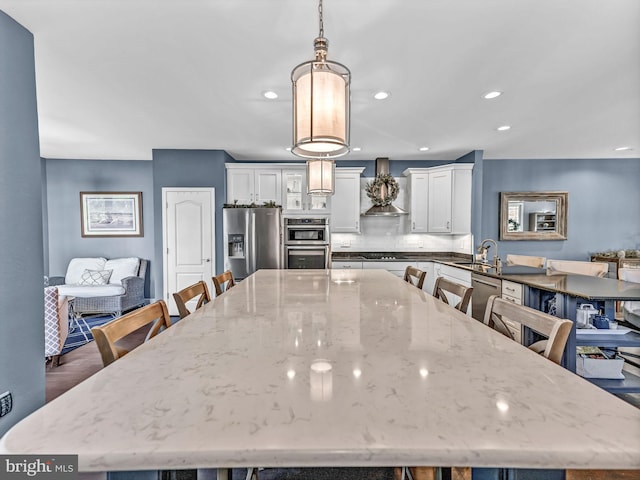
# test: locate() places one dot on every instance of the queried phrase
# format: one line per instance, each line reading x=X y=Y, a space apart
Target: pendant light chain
x=321 y=24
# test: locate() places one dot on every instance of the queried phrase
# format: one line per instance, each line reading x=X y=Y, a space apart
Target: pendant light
x=321 y=114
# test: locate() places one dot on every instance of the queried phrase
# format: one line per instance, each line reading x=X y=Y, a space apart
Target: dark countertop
x=582 y=286
x=399 y=257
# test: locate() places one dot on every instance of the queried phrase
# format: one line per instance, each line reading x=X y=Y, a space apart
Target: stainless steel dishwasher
x=483 y=288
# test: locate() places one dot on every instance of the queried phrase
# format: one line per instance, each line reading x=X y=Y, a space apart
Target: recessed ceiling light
x=423 y=149
x=622 y=149
x=381 y=95
x=356 y=149
x=270 y=94
x=503 y=128
x=491 y=95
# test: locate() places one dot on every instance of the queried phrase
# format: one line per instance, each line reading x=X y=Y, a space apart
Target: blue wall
x=188 y=168
x=21 y=234
x=604 y=201
x=65 y=180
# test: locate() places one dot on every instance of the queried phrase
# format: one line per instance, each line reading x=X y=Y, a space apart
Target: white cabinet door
x=267 y=186
x=439 y=216
x=240 y=186
x=345 y=204
x=461 y=199
x=395 y=267
x=457 y=275
x=418 y=192
x=248 y=185
x=440 y=198
x=346 y=265
x=430 y=278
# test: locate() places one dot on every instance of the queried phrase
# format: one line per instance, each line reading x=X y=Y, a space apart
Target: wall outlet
x=6 y=403
x=346 y=243
x=420 y=244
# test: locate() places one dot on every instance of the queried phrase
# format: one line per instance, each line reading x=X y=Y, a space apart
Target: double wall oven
x=306 y=242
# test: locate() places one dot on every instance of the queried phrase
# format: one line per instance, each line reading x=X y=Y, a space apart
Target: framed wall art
x=111 y=214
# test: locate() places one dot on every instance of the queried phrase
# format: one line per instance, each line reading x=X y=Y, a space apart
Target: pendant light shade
x=321 y=94
x=320 y=176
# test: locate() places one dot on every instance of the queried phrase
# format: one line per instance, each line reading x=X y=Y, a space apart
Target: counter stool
x=444 y=285
x=108 y=334
x=198 y=291
x=415 y=276
x=526 y=260
x=223 y=282
x=593 y=269
x=555 y=329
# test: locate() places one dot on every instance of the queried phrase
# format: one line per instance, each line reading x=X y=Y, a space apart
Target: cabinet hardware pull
x=487 y=283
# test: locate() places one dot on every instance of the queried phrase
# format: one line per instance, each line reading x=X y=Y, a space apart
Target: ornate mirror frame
x=559 y=233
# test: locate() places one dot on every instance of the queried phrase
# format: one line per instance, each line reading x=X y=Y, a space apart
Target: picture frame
x=111 y=214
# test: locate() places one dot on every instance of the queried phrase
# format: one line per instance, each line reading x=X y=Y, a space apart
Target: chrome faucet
x=482 y=251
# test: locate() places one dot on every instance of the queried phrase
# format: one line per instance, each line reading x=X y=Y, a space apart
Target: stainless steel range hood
x=382 y=166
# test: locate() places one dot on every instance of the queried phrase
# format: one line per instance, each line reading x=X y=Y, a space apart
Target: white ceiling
x=118 y=78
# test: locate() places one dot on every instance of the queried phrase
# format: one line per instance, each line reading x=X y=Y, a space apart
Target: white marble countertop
x=241 y=382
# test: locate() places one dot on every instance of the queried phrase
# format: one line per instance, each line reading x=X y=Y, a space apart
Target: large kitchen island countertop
x=294 y=368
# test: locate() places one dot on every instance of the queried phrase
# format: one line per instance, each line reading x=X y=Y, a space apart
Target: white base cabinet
x=397 y=268
x=457 y=275
x=346 y=265
x=513 y=292
x=430 y=278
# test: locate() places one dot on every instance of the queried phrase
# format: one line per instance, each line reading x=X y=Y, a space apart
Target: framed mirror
x=533 y=215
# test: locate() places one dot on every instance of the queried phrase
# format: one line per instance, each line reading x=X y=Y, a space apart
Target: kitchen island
x=294 y=368
x=568 y=292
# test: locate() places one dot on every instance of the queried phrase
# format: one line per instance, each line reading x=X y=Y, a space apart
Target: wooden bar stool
x=415 y=276
x=444 y=285
x=108 y=334
x=198 y=291
x=223 y=282
x=556 y=329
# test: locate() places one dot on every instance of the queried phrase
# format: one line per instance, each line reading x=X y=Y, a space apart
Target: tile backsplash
x=384 y=234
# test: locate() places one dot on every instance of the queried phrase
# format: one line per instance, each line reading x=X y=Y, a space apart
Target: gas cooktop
x=383 y=256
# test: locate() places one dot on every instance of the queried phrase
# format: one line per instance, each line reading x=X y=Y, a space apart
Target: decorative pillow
x=78 y=265
x=122 y=268
x=95 y=277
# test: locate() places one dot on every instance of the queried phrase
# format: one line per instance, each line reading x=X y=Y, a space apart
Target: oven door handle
x=320 y=247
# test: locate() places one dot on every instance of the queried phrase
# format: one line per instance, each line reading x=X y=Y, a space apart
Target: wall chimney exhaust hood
x=382 y=191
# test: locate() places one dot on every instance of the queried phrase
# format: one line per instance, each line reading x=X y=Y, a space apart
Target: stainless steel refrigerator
x=252 y=240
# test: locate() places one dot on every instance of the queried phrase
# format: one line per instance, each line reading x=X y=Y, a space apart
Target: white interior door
x=189 y=240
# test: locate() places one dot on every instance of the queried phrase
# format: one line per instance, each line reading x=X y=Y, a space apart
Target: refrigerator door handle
x=253 y=242
x=247 y=239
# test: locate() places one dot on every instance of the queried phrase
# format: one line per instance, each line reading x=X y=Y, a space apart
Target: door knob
x=206 y=260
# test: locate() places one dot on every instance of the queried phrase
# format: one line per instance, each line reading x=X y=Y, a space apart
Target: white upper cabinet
x=345 y=204
x=439 y=201
x=440 y=198
x=418 y=189
x=247 y=185
x=294 y=194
